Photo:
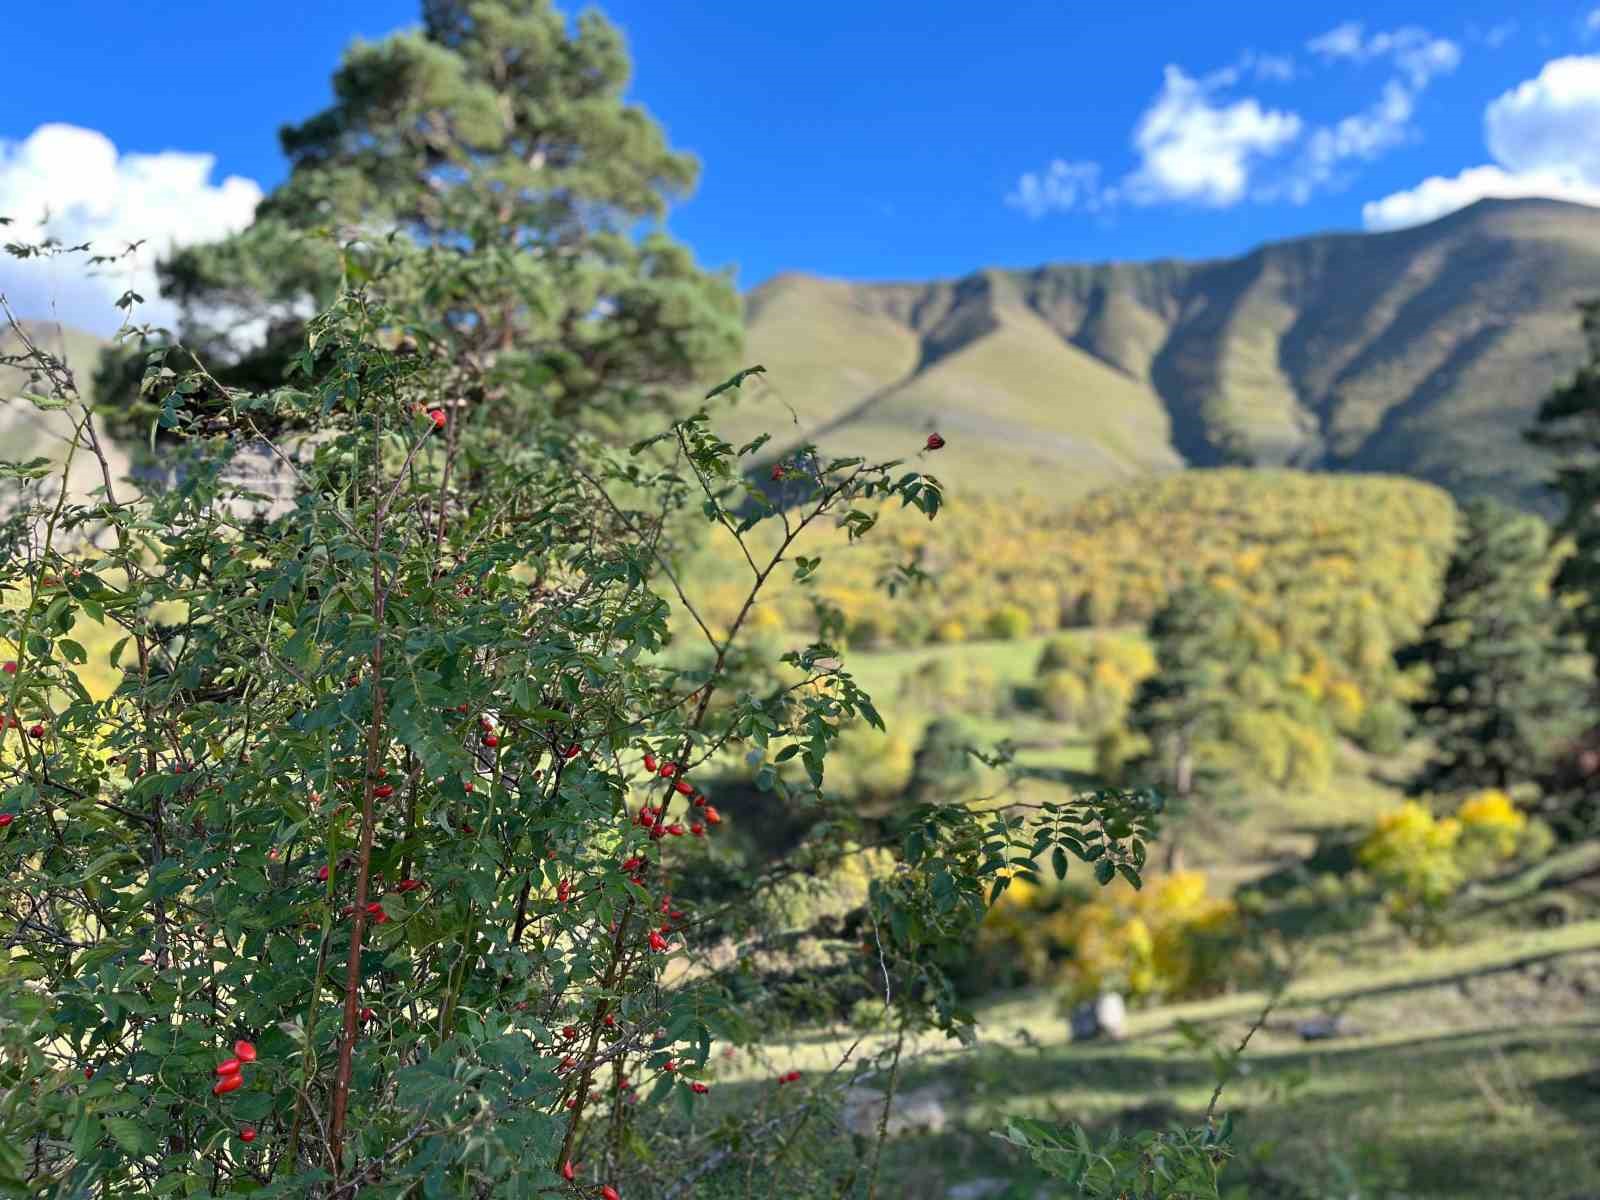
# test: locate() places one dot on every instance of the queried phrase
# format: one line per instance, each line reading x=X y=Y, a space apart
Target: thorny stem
x=613 y=976
x=1273 y=999
x=883 y=1117
x=358 y=924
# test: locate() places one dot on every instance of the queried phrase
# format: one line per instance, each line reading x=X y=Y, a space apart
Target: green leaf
x=130 y=1135
x=34 y=468
x=736 y=380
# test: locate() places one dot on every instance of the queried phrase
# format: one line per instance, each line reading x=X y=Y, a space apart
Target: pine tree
x=1186 y=702
x=496 y=137
x=1568 y=425
x=1502 y=694
x=941 y=768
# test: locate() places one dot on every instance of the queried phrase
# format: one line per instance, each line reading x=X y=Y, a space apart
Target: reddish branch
x=358 y=924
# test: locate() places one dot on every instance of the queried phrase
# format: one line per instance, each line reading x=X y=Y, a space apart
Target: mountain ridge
x=1421 y=351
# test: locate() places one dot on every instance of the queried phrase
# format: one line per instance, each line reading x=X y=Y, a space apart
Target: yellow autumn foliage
x=1421 y=860
x=1168 y=940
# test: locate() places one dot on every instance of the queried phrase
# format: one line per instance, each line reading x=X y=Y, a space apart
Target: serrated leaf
x=130 y=1135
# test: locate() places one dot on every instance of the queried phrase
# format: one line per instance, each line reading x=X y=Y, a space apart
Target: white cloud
x=1495 y=36
x=1062 y=187
x=1276 y=68
x=1541 y=136
x=1342 y=41
x=1192 y=149
x=1417 y=56
x=94 y=194
x=1549 y=122
x=1196 y=147
x=1437 y=196
x=1363 y=135
x=1196 y=151
x=1416 y=53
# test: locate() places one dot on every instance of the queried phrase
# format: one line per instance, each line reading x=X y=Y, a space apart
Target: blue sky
x=874 y=140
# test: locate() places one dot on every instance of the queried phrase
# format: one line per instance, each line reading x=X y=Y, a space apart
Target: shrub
x=869 y=764
x=1114 y=750
x=1062 y=694
x=1421 y=861
x=1169 y=940
x=1105 y=673
x=378 y=804
x=1492 y=828
x=1275 y=747
x=954 y=684
x=949 y=632
x=1412 y=855
x=1008 y=623
x=1065 y=654
x=825 y=897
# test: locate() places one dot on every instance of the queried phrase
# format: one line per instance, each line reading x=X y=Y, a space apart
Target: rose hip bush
x=361 y=881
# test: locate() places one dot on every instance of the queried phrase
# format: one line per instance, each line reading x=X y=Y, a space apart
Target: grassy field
x=881 y=672
x=1473 y=1069
x=1474 y=1072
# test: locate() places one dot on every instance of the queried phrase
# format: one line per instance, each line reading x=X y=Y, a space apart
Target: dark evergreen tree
x=942 y=769
x=1186 y=702
x=1503 y=695
x=495 y=136
x=1568 y=425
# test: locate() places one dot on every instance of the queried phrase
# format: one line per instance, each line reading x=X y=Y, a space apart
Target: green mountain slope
x=1423 y=351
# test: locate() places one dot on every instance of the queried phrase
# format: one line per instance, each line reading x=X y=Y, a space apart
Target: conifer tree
x=1568 y=425
x=942 y=768
x=1186 y=702
x=495 y=135
x=1502 y=694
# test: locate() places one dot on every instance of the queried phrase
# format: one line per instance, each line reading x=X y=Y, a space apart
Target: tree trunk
x=1183 y=772
x=1174 y=860
x=1182 y=783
